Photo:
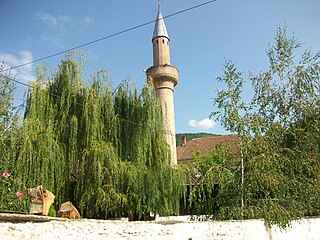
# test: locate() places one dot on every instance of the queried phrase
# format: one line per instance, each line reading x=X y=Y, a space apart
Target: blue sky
x=201 y=40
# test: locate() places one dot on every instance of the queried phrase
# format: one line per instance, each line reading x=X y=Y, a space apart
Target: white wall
x=163 y=228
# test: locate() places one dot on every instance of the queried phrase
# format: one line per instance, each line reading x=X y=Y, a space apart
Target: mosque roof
x=184 y=152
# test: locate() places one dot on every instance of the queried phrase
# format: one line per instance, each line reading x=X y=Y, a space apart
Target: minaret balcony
x=164 y=73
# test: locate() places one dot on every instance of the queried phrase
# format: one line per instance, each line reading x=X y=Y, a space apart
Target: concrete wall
x=163 y=228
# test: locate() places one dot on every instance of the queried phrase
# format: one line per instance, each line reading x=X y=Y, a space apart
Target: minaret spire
x=160 y=29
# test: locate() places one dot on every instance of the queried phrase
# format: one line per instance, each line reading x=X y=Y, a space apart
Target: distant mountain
x=191 y=136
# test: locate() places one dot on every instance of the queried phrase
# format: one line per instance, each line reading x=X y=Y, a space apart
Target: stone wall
x=162 y=228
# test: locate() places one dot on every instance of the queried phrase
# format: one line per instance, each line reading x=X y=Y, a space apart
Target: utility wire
x=16 y=81
x=98 y=40
x=109 y=36
x=81 y=105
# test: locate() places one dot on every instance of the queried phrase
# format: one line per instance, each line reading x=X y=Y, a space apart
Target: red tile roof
x=184 y=153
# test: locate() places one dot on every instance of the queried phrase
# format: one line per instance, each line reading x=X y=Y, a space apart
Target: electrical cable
x=79 y=104
x=108 y=36
x=98 y=40
x=16 y=81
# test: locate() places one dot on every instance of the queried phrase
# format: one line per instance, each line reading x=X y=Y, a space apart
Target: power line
x=81 y=105
x=16 y=81
x=109 y=36
x=98 y=40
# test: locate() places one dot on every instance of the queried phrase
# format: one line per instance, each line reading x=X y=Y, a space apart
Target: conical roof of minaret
x=160 y=29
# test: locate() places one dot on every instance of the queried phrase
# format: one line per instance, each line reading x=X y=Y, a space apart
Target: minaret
x=164 y=78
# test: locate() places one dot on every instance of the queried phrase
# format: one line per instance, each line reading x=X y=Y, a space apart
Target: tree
x=211 y=178
x=8 y=138
x=190 y=136
x=279 y=135
x=102 y=149
x=232 y=105
x=8 y=118
x=7 y=88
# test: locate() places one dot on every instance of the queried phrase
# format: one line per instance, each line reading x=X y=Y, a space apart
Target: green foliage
x=103 y=150
x=278 y=130
x=52 y=211
x=7 y=88
x=11 y=199
x=8 y=138
x=213 y=180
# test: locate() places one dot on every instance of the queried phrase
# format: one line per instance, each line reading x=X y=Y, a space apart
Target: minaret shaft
x=161 y=51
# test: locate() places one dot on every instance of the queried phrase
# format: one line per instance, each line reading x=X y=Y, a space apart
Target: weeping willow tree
x=104 y=150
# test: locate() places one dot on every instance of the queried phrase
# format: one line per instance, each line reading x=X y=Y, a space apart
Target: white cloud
x=193 y=123
x=24 y=73
x=61 y=26
x=204 y=124
x=51 y=20
x=88 y=20
x=55 y=40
